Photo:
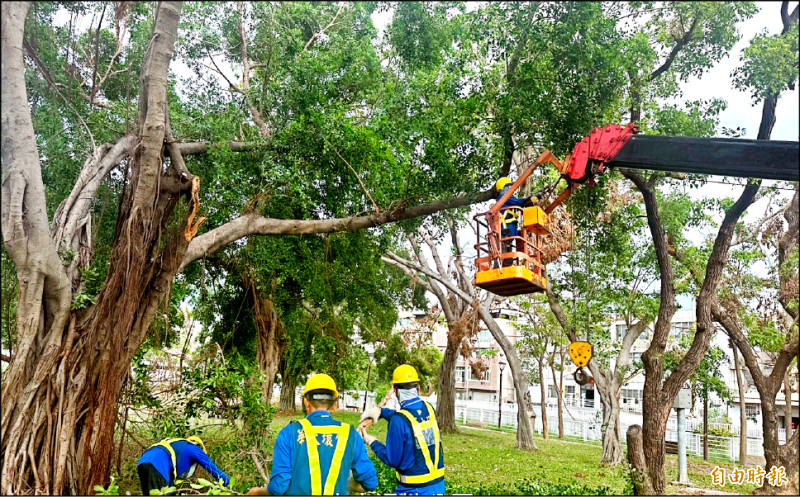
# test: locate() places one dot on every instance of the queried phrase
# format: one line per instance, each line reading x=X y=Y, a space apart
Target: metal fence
x=584 y=424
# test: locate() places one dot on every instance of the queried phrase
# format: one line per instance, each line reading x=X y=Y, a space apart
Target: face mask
x=404 y=395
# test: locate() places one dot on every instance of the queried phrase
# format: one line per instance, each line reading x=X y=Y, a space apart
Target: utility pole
x=682 y=402
x=502 y=365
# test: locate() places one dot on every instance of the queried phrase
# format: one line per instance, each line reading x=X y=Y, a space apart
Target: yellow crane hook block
x=580 y=353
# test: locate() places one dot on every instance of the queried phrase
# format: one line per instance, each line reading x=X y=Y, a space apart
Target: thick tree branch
x=153 y=105
x=252 y=223
x=200 y=148
x=708 y=290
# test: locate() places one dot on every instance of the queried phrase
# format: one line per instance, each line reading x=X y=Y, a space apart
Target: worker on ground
x=315 y=455
x=413 y=443
x=173 y=458
x=509 y=217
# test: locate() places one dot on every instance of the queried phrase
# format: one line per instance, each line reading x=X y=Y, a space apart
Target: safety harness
x=434 y=471
x=509 y=216
x=167 y=444
x=311 y=432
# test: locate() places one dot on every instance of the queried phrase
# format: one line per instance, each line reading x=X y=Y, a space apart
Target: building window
x=551 y=392
x=621 y=330
x=631 y=394
x=570 y=389
x=484 y=336
x=678 y=329
x=752 y=410
x=636 y=356
x=484 y=377
x=461 y=374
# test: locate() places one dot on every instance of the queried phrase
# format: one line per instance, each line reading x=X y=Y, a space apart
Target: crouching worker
x=173 y=458
x=315 y=455
x=413 y=444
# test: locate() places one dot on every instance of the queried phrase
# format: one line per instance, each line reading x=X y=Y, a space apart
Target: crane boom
x=767 y=159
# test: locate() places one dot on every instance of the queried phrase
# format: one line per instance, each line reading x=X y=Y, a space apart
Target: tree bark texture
x=612 y=447
x=60 y=395
x=659 y=394
x=742 y=388
x=636 y=459
x=559 y=384
x=288 y=386
x=545 y=432
x=269 y=336
x=446 y=402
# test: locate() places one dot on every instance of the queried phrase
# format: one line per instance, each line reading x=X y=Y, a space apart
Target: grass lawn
x=488 y=456
x=475 y=459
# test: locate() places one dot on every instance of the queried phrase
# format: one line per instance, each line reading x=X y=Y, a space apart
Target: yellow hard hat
x=501 y=183
x=321 y=381
x=197 y=441
x=404 y=374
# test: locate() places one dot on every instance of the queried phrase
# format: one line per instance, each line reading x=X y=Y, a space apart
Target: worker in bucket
x=413 y=443
x=510 y=217
x=174 y=458
x=315 y=455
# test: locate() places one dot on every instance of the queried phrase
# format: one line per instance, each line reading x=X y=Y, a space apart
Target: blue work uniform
x=403 y=452
x=510 y=226
x=186 y=454
x=291 y=468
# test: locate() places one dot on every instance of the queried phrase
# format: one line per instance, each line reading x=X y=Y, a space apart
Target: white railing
x=584 y=424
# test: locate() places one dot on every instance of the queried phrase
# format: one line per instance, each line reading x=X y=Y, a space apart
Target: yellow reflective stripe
x=167 y=444
x=436 y=436
x=313 y=458
x=314 y=468
x=434 y=471
x=414 y=479
x=338 y=455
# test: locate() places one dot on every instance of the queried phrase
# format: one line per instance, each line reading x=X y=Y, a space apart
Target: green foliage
x=425 y=358
x=231 y=388
x=769 y=65
x=529 y=486
x=203 y=487
x=113 y=488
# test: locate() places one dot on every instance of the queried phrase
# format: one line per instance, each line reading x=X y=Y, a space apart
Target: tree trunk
x=654 y=431
x=559 y=399
x=742 y=406
x=61 y=390
x=446 y=403
x=612 y=447
x=787 y=406
x=545 y=433
x=636 y=459
x=271 y=343
x=524 y=429
x=288 y=386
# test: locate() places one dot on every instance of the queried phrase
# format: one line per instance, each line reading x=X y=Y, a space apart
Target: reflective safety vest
x=430 y=428
x=343 y=432
x=167 y=444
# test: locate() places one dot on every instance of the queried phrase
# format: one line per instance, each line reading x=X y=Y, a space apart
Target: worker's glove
x=368 y=439
x=373 y=413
